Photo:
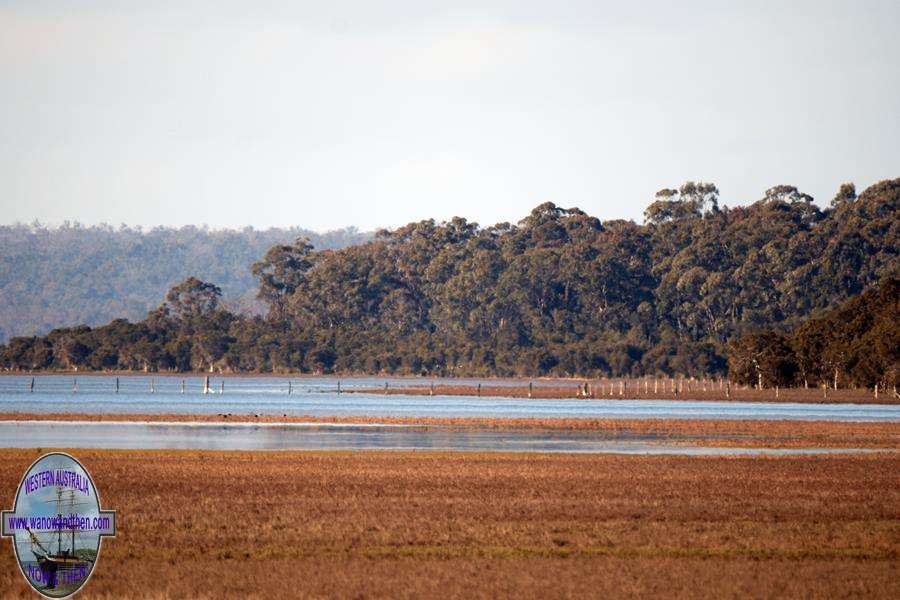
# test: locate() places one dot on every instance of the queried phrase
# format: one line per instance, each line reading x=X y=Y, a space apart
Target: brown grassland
x=324 y=524
x=697 y=432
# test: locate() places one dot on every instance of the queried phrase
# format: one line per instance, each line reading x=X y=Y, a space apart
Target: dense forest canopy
x=855 y=345
x=75 y=274
x=558 y=293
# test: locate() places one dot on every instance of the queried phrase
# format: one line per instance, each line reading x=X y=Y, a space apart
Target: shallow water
x=317 y=436
x=319 y=397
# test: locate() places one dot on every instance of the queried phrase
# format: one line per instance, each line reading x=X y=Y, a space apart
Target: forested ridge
x=558 y=293
x=77 y=274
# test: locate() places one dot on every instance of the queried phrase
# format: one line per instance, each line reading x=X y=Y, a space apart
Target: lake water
x=319 y=397
x=318 y=436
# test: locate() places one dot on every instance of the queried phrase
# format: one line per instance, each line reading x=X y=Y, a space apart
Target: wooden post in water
x=152 y=388
x=339 y=386
x=529 y=389
x=222 y=387
x=182 y=386
x=117 y=385
x=31 y=386
x=478 y=390
x=206 y=389
x=290 y=390
x=74 y=385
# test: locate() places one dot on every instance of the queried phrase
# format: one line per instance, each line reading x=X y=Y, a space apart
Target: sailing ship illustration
x=68 y=564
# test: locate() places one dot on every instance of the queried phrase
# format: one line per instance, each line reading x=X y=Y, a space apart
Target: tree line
x=558 y=293
x=854 y=345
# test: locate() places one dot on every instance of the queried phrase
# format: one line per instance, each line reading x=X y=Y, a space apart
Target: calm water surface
x=316 y=436
x=319 y=397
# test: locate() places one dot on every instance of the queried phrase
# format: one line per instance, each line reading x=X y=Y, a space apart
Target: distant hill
x=50 y=277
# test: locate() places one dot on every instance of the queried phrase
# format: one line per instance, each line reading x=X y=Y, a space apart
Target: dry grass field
x=350 y=525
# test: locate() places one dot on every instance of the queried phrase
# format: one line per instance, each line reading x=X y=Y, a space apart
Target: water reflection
x=316 y=436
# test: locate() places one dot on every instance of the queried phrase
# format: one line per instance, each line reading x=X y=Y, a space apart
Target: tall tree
x=281 y=272
x=192 y=298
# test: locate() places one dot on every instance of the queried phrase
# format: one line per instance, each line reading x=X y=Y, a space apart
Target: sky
x=374 y=114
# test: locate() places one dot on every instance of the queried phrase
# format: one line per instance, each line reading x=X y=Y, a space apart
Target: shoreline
x=547 y=388
x=574 y=391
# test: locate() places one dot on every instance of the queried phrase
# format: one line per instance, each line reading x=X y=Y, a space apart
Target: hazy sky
x=366 y=113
